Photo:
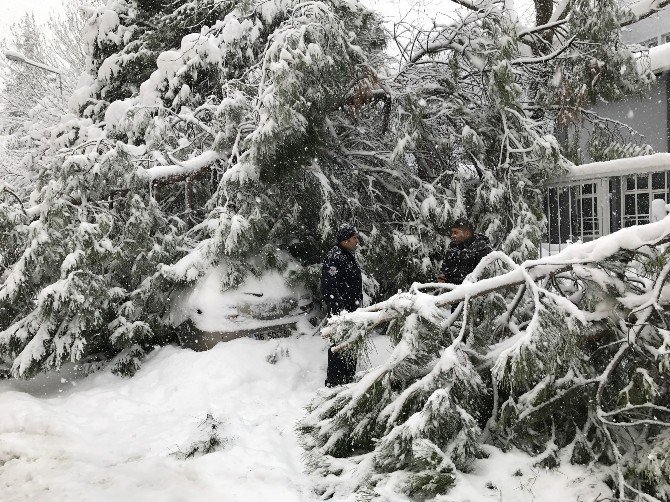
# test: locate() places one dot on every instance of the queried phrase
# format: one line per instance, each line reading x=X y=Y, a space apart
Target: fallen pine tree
x=565 y=357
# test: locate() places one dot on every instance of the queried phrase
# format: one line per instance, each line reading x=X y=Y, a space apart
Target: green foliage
x=607 y=143
x=420 y=405
x=653 y=471
x=563 y=362
x=86 y=283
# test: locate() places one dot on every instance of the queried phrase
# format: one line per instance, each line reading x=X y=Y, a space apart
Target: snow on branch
x=530 y=271
x=182 y=170
x=548 y=57
x=474 y=6
x=577 y=343
x=442 y=37
x=537 y=29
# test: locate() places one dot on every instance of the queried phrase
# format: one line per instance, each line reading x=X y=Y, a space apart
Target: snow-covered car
x=263 y=307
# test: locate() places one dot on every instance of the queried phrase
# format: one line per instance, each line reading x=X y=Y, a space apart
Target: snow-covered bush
x=565 y=357
x=206 y=439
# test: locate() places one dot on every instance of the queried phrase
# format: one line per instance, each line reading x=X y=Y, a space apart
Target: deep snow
x=105 y=438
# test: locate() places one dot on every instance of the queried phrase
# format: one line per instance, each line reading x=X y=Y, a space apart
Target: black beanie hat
x=463 y=223
x=345 y=231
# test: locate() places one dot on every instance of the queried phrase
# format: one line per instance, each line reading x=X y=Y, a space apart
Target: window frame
x=578 y=197
x=592 y=199
x=652 y=193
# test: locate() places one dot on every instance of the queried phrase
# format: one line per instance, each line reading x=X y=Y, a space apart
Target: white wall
x=647 y=114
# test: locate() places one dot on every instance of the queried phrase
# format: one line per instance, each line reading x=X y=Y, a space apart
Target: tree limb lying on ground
x=565 y=354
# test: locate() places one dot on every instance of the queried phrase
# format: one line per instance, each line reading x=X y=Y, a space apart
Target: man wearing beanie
x=342 y=289
x=466 y=250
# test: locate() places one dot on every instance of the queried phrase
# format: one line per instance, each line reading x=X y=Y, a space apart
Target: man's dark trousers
x=341 y=368
x=342 y=289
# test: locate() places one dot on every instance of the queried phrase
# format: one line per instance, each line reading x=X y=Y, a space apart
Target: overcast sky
x=12 y=10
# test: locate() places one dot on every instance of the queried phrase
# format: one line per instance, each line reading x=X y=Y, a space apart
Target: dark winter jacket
x=461 y=259
x=341 y=281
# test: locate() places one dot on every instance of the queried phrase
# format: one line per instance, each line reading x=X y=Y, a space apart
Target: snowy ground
x=105 y=438
x=513 y=477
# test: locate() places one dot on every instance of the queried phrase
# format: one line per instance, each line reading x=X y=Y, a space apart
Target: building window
x=572 y=213
x=638 y=192
x=588 y=223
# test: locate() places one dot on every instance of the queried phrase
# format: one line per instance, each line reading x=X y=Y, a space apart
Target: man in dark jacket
x=342 y=289
x=466 y=250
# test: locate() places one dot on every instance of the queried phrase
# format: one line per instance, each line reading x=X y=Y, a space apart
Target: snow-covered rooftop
x=618 y=167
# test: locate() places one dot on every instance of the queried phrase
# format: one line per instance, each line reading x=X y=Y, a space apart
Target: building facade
x=597 y=198
x=648 y=115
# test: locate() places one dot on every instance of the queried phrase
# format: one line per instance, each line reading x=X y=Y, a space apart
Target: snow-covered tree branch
x=565 y=354
x=238 y=135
